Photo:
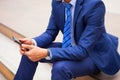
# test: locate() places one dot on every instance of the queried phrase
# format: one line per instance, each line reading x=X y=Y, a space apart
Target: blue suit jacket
x=89 y=34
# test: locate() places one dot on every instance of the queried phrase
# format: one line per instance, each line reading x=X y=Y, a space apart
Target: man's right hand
x=26 y=41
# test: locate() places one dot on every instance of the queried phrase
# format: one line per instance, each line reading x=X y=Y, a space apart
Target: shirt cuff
x=35 y=43
x=49 y=57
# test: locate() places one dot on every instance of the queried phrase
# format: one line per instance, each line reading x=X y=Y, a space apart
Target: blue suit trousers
x=61 y=70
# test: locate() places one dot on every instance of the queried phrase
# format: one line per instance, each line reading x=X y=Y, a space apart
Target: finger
x=27 y=53
x=22 y=48
x=22 y=51
x=27 y=46
x=23 y=40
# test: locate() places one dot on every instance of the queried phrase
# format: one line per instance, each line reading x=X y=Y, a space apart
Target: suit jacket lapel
x=78 y=8
x=61 y=9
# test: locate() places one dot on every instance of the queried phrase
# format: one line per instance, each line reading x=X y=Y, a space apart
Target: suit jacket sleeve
x=49 y=35
x=94 y=20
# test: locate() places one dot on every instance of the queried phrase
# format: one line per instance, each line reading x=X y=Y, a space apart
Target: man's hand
x=35 y=53
x=26 y=41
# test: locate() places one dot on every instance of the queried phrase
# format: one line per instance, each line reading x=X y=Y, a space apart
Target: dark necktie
x=67 y=27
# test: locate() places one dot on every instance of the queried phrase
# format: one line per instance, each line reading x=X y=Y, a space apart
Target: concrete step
x=2 y=77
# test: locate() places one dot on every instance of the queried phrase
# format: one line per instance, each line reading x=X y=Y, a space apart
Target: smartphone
x=16 y=40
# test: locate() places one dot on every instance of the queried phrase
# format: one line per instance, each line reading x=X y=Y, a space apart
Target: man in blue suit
x=91 y=48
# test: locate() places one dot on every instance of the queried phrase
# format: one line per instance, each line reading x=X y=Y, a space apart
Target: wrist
x=45 y=52
x=48 y=57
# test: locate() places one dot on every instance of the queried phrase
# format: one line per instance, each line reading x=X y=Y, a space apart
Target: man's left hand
x=35 y=53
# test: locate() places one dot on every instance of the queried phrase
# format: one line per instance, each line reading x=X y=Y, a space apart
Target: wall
x=30 y=17
x=112 y=6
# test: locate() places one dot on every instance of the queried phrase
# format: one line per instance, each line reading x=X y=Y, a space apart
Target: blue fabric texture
x=92 y=43
x=67 y=27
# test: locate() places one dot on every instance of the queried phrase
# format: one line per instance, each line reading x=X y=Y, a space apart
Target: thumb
x=27 y=46
x=23 y=40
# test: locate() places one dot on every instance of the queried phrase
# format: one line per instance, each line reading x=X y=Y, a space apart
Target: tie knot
x=68 y=5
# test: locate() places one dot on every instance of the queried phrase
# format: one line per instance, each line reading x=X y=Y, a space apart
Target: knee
x=26 y=61
x=60 y=68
